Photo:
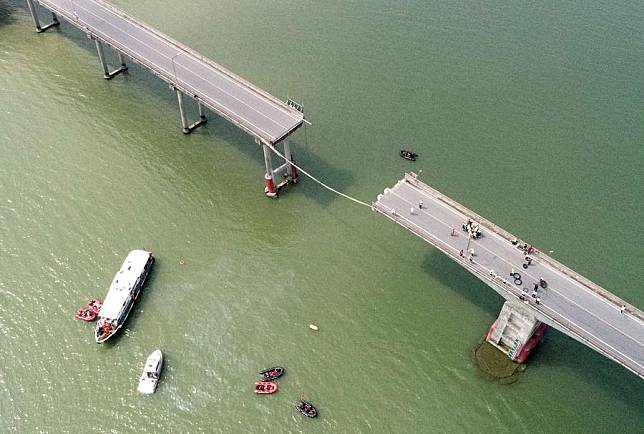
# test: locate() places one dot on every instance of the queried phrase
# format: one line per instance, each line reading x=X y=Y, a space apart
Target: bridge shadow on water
x=452 y=275
x=557 y=350
x=217 y=126
x=6 y=12
x=586 y=366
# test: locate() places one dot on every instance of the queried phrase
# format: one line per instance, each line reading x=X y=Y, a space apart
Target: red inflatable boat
x=95 y=304
x=265 y=387
x=85 y=314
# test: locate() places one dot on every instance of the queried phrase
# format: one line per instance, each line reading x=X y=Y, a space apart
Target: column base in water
x=107 y=74
x=294 y=174
x=34 y=15
x=270 y=189
x=54 y=23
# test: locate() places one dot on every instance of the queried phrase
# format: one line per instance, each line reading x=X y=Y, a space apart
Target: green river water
x=530 y=113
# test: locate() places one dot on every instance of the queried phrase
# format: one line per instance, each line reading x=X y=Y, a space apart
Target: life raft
x=265 y=387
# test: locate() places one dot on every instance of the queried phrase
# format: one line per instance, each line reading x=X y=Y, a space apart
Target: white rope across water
x=346 y=196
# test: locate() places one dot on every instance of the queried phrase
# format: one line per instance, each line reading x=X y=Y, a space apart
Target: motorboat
x=151 y=372
x=123 y=292
x=85 y=314
x=272 y=373
x=408 y=155
x=265 y=387
x=307 y=409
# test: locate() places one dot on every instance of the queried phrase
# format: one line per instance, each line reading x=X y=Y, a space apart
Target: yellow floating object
x=314 y=327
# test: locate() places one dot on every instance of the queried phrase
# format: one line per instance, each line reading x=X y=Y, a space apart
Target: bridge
x=253 y=110
x=537 y=289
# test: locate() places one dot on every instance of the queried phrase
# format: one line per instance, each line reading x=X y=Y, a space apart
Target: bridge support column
x=122 y=60
x=291 y=171
x=182 y=112
x=287 y=169
x=269 y=189
x=187 y=129
x=107 y=75
x=202 y=116
x=516 y=331
x=34 y=15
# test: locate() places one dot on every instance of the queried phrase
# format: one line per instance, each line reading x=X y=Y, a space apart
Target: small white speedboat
x=151 y=371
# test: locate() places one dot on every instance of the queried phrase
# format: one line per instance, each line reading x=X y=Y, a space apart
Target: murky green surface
x=528 y=112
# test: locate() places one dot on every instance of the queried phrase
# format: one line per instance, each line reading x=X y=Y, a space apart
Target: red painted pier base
x=270 y=189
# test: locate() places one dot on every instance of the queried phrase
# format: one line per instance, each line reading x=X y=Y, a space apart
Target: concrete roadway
x=569 y=303
x=250 y=108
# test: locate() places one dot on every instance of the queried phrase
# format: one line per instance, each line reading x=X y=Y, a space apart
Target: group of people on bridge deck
x=472 y=228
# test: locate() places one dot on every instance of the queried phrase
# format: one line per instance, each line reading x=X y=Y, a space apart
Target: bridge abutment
x=516 y=331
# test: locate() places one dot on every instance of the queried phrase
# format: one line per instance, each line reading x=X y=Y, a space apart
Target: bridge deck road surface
x=570 y=303
x=249 y=107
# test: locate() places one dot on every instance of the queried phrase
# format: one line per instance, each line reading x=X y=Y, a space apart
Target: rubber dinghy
x=408 y=155
x=265 y=388
x=95 y=304
x=151 y=372
x=307 y=409
x=272 y=373
x=85 y=314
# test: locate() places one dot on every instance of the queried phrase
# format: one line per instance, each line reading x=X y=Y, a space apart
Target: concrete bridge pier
x=291 y=171
x=187 y=129
x=34 y=15
x=269 y=176
x=287 y=171
x=516 y=331
x=107 y=75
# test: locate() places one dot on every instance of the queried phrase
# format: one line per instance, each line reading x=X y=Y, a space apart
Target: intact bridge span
x=269 y=120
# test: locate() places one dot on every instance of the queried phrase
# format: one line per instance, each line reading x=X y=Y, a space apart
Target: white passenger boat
x=124 y=290
x=151 y=371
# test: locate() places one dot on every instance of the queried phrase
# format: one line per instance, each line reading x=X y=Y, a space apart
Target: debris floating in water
x=314 y=327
